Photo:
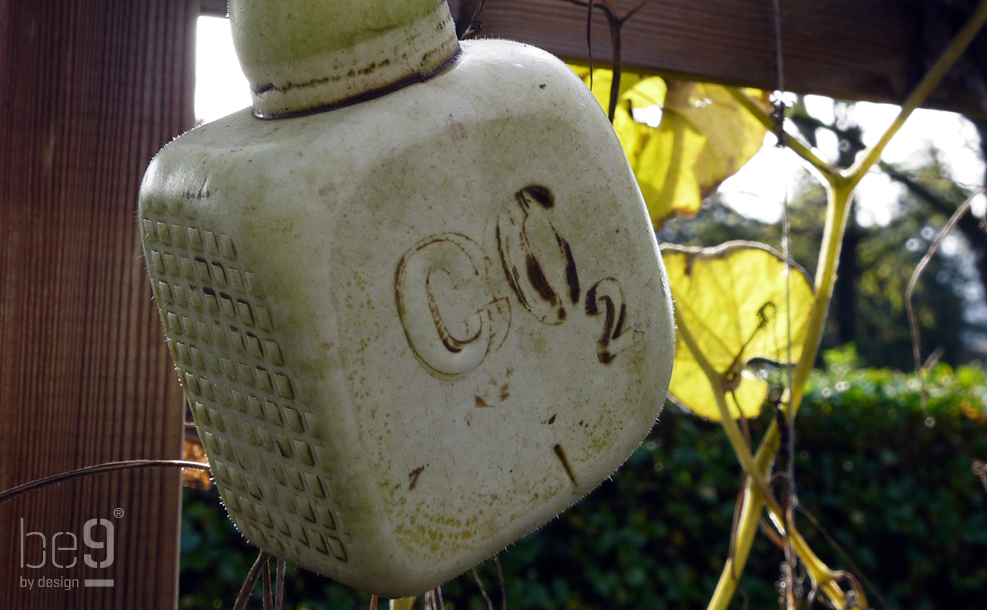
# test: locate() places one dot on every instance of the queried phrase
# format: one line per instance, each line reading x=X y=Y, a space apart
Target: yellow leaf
x=709 y=136
x=666 y=169
x=405 y=603
x=602 y=79
x=704 y=137
x=733 y=134
x=732 y=300
x=193 y=452
x=636 y=91
x=645 y=92
x=691 y=387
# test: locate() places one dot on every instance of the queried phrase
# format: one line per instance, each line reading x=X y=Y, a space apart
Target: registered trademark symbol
x=117 y=512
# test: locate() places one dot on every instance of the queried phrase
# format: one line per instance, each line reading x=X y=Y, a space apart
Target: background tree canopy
x=876 y=261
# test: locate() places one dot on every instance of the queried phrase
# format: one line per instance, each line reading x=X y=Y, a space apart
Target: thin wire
x=779 y=60
x=786 y=240
x=13 y=492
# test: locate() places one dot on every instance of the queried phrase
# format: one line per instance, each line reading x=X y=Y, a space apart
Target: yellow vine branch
x=841 y=186
x=803 y=150
x=922 y=91
x=729 y=425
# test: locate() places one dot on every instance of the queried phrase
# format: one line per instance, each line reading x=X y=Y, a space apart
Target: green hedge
x=897 y=494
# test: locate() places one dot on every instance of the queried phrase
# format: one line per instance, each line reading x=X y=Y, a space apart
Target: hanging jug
x=413 y=295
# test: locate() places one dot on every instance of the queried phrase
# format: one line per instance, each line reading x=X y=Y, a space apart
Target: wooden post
x=88 y=93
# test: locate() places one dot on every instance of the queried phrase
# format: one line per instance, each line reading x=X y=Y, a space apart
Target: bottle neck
x=305 y=55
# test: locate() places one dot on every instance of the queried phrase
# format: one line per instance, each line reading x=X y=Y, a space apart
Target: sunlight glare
x=220 y=86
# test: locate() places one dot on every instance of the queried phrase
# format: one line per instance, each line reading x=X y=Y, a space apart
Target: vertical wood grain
x=89 y=90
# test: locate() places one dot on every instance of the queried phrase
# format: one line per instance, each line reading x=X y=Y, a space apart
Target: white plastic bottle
x=413 y=295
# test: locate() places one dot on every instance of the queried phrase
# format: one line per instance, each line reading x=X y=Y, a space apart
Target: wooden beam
x=90 y=92
x=854 y=49
x=214 y=8
x=874 y=50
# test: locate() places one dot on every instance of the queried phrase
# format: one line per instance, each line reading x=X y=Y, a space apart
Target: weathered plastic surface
x=413 y=329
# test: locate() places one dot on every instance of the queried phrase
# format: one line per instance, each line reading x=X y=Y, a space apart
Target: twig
x=483 y=590
x=841 y=186
x=922 y=91
x=802 y=149
x=14 y=492
x=771 y=534
x=248 y=584
x=609 y=9
x=837 y=214
x=842 y=553
x=980 y=469
x=736 y=522
x=268 y=599
x=475 y=27
x=734 y=435
x=503 y=587
x=279 y=583
x=910 y=291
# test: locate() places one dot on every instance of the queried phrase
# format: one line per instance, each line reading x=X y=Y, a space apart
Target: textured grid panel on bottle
x=231 y=362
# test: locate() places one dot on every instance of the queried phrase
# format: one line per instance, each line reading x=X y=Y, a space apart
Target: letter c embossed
x=445 y=305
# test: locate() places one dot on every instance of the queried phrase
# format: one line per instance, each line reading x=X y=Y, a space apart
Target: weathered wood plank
x=90 y=92
x=214 y=8
x=855 y=49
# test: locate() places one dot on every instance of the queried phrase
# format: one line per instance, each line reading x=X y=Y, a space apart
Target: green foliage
x=215 y=560
x=897 y=495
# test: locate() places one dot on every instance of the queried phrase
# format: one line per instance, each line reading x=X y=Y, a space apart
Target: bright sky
x=220 y=87
x=758 y=190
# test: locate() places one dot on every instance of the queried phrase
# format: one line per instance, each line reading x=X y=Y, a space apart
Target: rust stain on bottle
x=413 y=477
x=560 y=453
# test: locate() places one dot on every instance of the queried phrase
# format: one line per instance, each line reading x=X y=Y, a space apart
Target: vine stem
x=922 y=91
x=840 y=189
x=803 y=150
x=818 y=571
x=735 y=436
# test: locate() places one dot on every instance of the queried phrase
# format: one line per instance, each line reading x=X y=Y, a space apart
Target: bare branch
x=909 y=292
x=248 y=584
